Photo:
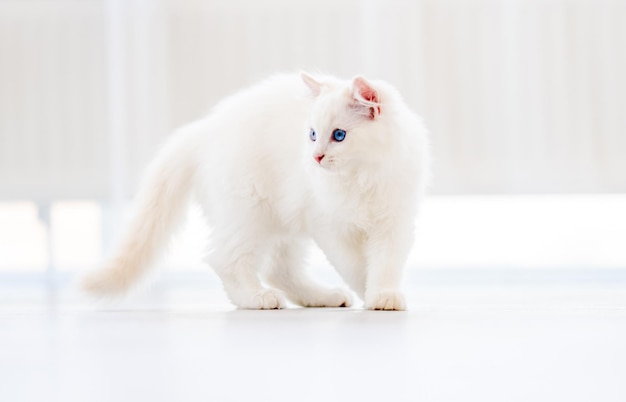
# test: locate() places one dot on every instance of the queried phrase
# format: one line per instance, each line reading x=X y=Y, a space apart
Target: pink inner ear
x=365 y=93
x=365 y=90
x=369 y=94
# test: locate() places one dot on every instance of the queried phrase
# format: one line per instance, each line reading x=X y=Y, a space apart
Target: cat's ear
x=312 y=83
x=365 y=97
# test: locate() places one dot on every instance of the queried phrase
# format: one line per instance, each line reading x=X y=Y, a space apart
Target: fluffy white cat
x=293 y=158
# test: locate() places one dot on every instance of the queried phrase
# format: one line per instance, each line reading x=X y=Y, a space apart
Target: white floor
x=456 y=343
x=521 y=338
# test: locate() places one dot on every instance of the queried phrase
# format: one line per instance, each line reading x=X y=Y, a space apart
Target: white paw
x=267 y=299
x=330 y=298
x=385 y=300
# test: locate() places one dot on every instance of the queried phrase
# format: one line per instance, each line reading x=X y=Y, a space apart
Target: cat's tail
x=159 y=206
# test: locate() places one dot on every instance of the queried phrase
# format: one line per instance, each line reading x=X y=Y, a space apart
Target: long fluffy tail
x=159 y=206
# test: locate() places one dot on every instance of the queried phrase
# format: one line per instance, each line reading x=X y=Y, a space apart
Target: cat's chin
x=320 y=167
x=330 y=166
x=329 y=170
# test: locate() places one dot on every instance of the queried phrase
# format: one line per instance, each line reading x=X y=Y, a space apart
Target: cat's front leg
x=386 y=257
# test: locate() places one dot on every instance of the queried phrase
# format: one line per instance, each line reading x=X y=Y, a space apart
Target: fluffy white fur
x=251 y=164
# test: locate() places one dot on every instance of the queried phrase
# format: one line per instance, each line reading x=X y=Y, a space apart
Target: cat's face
x=344 y=132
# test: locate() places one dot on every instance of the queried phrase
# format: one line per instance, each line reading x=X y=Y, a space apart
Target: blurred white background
x=517 y=281
x=525 y=99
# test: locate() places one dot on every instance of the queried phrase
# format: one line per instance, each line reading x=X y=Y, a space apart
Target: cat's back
x=264 y=121
x=275 y=102
x=252 y=144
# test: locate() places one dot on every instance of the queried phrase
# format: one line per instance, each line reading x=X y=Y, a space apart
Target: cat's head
x=346 y=127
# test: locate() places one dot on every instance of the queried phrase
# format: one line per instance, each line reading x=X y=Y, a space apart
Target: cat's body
x=291 y=159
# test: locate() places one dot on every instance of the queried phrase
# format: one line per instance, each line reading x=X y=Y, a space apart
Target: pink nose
x=319 y=158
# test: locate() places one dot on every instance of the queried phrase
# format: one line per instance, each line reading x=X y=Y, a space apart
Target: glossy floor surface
x=456 y=343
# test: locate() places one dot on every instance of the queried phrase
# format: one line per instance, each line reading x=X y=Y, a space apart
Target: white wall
x=521 y=96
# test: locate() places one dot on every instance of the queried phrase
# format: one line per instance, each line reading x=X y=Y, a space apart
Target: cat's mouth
x=325 y=164
x=324 y=161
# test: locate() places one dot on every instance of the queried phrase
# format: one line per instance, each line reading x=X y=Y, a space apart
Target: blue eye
x=339 y=135
x=312 y=135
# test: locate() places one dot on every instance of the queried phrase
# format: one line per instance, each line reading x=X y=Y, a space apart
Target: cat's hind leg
x=286 y=271
x=237 y=266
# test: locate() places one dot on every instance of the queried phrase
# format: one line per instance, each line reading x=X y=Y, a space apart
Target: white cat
x=293 y=158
